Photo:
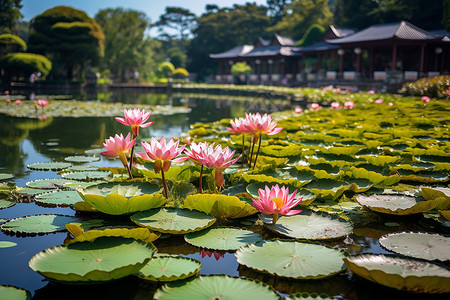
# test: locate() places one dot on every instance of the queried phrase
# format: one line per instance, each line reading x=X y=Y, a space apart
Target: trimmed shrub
x=24 y=64
x=312 y=35
x=435 y=87
x=11 y=43
x=241 y=68
x=180 y=73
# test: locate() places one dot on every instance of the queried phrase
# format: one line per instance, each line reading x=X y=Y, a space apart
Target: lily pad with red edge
x=309 y=225
x=222 y=238
x=418 y=245
x=292 y=259
x=9 y=292
x=173 y=221
x=169 y=268
x=52 y=165
x=395 y=204
x=121 y=198
x=104 y=259
x=406 y=274
x=220 y=206
x=217 y=287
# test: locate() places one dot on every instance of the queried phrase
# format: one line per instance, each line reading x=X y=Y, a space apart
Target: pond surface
x=25 y=141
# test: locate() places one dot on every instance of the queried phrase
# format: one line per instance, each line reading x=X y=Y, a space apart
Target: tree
x=126 y=46
x=219 y=30
x=179 y=19
x=11 y=43
x=24 y=64
x=446 y=14
x=9 y=14
x=311 y=36
x=301 y=14
x=69 y=37
x=275 y=9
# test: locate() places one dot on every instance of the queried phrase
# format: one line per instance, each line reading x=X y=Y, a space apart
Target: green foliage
x=177 y=18
x=180 y=73
x=165 y=69
x=24 y=64
x=9 y=14
x=69 y=36
x=11 y=43
x=312 y=35
x=241 y=68
x=435 y=87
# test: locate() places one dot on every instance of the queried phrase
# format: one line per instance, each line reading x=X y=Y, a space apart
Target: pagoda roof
x=234 y=52
x=318 y=47
x=272 y=51
x=398 y=31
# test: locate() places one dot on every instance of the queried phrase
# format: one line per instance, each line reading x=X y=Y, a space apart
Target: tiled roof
x=234 y=52
x=321 y=46
x=402 y=31
x=282 y=40
x=272 y=51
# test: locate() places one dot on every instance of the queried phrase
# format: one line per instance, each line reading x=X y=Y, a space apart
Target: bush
x=24 y=64
x=241 y=68
x=435 y=87
x=165 y=69
x=180 y=73
x=311 y=36
x=11 y=43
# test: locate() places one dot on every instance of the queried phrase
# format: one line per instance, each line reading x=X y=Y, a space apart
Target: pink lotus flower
x=257 y=124
x=238 y=126
x=42 y=102
x=425 y=99
x=187 y=140
x=391 y=104
x=18 y=101
x=447 y=92
x=337 y=90
x=8 y=100
x=135 y=118
x=371 y=92
x=118 y=146
x=276 y=201
x=6 y=92
x=349 y=104
x=298 y=110
x=196 y=150
x=335 y=105
x=315 y=106
x=378 y=101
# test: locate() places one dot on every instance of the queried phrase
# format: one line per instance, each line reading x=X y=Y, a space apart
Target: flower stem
x=251 y=154
x=131 y=155
x=257 y=152
x=200 y=181
x=164 y=182
x=243 y=149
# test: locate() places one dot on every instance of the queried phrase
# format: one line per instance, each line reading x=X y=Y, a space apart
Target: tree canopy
x=24 y=64
x=11 y=43
x=179 y=19
x=68 y=36
x=9 y=14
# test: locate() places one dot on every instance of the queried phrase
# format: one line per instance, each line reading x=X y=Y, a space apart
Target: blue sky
x=153 y=8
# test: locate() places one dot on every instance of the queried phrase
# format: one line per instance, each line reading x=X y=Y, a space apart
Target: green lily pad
x=292 y=259
x=435 y=192
x=80 y=235
x=7 y=244
x=14 y=293
x=404 y=274
x=26 y=191
x=327 y=188
x=235 y=189
x=309 y=225
x=395 y=204
x=5 y=176
x=54 y=183
x=58 y=198
x=308 y=296
x=169 y=268
x=423 y=176
x=83 y=184
x=81 y=168
x=52 y=165
x=122 y=198
x=82 y=158
x=104 y=259
x=222 y=238
x=174 y=221
x=38 y=224
x=217 y=287
x=220 y=206
x=6 y=203
x=418 y=245
x=86 y=175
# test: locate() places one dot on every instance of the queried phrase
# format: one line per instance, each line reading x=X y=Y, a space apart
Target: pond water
x=25 y=141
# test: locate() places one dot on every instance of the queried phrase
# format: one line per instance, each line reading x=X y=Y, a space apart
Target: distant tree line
x=115 y=42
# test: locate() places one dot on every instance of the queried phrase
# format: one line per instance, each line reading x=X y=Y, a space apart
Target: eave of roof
x=234 y=52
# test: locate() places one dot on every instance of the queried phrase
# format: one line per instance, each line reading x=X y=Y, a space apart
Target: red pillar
x=422 y=58
x=394 y=57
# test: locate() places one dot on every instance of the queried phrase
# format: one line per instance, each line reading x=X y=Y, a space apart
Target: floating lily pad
x=84 y=206
x=136 y=233
x=174 y=221
x=52 y=165
x=308 y=296
x=169 y=268
x=14 y=293
x=122 y=198
x=82 y=158
x=38 y=224
x=327 y=188
x=435 y=192
x=83 y=184
x=217 y=287
x=292 y=259
x=7 y=244
x=5 y=176
x=220 y=206
x=222 y=238
x=26 y=191
x=445 y=214
x=81 y=168
x=86 y=175
x=6 y=203
x=309 y=225
x=59 y=198
x=54 y=183
x=104 y=259
x=418 y=245
x=404 y=274
x=395 y=204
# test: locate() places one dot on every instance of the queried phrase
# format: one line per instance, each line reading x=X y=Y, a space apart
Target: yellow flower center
x=278 y=202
